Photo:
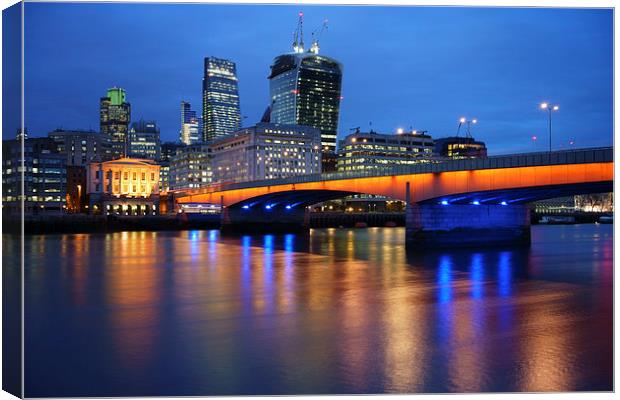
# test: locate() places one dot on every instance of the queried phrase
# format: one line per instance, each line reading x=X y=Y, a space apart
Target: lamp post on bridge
x=464 y=120
x=549 y=108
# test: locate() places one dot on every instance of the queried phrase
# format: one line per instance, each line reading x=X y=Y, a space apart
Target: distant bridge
x=508 y=181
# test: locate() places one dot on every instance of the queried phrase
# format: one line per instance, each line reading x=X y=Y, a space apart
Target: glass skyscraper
x=189 y=133
x=143 y=140
x=220 y=99
x=115 y=114
x=305 y=89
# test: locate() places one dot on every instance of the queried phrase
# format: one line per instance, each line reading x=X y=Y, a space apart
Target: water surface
x=336 y=311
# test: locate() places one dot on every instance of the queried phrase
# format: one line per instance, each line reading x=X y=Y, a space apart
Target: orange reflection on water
x=545 y=336
x=77 y=264
x=406 y=356
x=133 y=291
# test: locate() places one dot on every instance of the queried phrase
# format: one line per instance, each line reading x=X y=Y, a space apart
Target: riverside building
x=44 y=176
x=267 y=151
x=374 y=151
x=190 y=167
x=168 y=150
x=80 y=148
x=126 y=186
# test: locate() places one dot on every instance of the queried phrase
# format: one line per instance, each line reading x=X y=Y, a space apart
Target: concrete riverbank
x=79 y=223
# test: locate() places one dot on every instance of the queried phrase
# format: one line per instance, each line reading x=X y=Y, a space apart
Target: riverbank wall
x=80 y=223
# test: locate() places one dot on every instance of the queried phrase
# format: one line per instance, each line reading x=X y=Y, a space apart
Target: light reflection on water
x=336 y=311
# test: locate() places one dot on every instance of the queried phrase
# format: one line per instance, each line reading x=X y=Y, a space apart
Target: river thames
x=335 y=311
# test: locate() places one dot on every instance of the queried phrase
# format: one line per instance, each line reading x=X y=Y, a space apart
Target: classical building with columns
x=127 y=186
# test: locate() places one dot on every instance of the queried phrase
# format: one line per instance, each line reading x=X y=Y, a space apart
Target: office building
x=460 y=147
x=143 y=140
x=220 y=99
x=373 y=151
x=305 y=89
x=81 y=147
x=190 y=167
x=44 y=176
x=168 y=150
x=125 y=186
x=266 y=151
x=115 y=114
x=189 y=133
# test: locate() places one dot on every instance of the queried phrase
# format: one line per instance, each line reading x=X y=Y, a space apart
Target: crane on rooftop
x=316 y=37
x=298 y=35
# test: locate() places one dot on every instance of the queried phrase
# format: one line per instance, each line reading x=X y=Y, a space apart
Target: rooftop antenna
x=298 y=36
x=315 y=39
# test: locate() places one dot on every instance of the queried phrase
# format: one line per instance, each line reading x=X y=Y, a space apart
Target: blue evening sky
x=403 y=66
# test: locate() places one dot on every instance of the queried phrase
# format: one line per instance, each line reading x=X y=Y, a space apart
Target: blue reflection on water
x=444 y=279
x=444 y=297
x=246 y=272
x=246 y=242
x=477 y=276
x=288 y=242
x=268 y=264
x=194 y=244
x=268 y=246
x=213 y=235
x=288 y=259
x=504 y=274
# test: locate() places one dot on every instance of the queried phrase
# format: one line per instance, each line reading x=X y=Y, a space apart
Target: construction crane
x=316 y=37
x=298 y=35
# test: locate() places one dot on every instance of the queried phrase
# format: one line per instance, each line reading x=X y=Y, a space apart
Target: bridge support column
x=436 y=226
x=277 y=219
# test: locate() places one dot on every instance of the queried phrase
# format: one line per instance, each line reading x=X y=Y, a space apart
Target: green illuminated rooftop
x=116 y=95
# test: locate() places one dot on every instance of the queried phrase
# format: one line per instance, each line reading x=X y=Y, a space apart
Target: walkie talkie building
x=305 y=89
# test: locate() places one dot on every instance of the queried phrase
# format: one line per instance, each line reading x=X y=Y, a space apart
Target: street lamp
x=549 y=108
x=464 y=120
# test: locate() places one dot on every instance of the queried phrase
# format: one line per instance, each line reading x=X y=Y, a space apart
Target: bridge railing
x=590 y=155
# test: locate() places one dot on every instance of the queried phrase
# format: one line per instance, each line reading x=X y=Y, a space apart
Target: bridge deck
x=565 y=157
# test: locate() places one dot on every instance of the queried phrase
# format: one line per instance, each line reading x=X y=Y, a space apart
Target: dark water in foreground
x=339 y=311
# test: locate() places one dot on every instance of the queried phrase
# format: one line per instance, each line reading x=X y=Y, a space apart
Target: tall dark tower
x=114 y=117
x=220 y=99
x=305 y=89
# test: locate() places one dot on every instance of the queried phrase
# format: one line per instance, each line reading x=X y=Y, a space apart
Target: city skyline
x=479 y=62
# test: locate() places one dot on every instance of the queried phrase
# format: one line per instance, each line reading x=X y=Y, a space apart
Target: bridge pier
x=263 y=219
x=463 y=225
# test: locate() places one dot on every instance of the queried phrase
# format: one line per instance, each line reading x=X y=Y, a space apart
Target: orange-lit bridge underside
x=583 y=177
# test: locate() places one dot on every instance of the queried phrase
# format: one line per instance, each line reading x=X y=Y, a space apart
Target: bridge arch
x=289 y=199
